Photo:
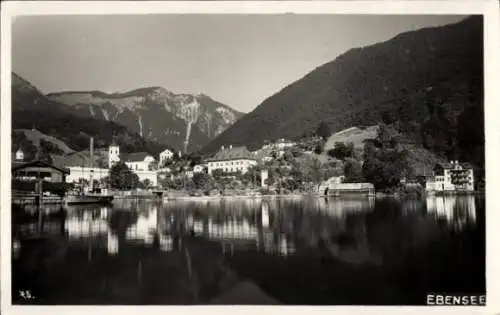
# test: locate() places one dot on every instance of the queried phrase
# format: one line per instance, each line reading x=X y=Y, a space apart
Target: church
x=140 y=163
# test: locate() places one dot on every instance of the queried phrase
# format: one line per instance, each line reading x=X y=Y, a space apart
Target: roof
x=448 y=165
x=39 y=163
x=135 y=157
x=234 y=153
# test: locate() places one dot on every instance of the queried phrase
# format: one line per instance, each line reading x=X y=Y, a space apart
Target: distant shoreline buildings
x=446 y=177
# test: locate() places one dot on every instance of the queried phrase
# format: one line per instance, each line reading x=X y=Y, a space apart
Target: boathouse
x=39 y=170
x=335 y=186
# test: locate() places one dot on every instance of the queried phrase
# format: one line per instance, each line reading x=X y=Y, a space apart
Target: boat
x=88 y=199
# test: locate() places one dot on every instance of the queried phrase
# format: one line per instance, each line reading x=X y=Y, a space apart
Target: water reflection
x=360 y=232
x=275 y=226
x=458 y=212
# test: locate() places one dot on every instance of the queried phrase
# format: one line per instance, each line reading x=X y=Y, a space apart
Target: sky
x=238 y=60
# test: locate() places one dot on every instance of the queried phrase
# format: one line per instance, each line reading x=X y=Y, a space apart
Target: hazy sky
x=239 y=60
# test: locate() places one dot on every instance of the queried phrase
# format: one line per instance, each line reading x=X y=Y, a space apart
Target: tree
x=121 y=177
x=252 y=176
x=323 y=130
x=318 y=149
x=353 y=171
x=49 y=147
x=386 y=163
x=341 y=151
x=146 y=183
x=203 y=181
x=195 y=160
x=312 y=171
x=288 y=156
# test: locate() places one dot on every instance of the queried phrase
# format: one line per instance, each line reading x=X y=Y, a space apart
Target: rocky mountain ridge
x=183 y=121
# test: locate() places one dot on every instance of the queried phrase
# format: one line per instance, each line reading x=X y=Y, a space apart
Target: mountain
x=182 y=121
x=428 y=83
x=61 y=128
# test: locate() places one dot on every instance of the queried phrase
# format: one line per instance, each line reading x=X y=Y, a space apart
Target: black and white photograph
x=227 y=158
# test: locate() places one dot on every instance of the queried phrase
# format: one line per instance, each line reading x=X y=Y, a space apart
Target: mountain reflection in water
x=298 y=251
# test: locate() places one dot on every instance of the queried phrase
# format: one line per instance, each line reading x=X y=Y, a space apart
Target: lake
x=299 y=251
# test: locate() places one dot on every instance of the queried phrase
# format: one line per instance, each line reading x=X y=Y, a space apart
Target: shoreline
x=378 y=195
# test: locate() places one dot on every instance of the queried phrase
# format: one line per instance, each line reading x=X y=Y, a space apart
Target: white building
x=165 y=156
x=231 y=160
x=139 y=161
x=452 y=176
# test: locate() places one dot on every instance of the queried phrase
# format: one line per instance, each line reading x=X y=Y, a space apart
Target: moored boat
x=88 y=199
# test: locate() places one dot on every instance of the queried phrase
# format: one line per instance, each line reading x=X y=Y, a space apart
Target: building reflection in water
x=166 y=242
x=113 y=243
x=458 y=211
x=85 y=226
x=340 y=207
x=145 y=229
x=273 y=226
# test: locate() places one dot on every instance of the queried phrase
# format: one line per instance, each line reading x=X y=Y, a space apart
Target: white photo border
x=490 y=11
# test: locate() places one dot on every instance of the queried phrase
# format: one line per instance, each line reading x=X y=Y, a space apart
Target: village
x=281 y=167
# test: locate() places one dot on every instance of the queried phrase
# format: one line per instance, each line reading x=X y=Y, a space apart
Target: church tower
x=19 y=155
x=113 y=154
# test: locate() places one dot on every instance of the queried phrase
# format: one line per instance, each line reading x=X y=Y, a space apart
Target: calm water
x=296 y=251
